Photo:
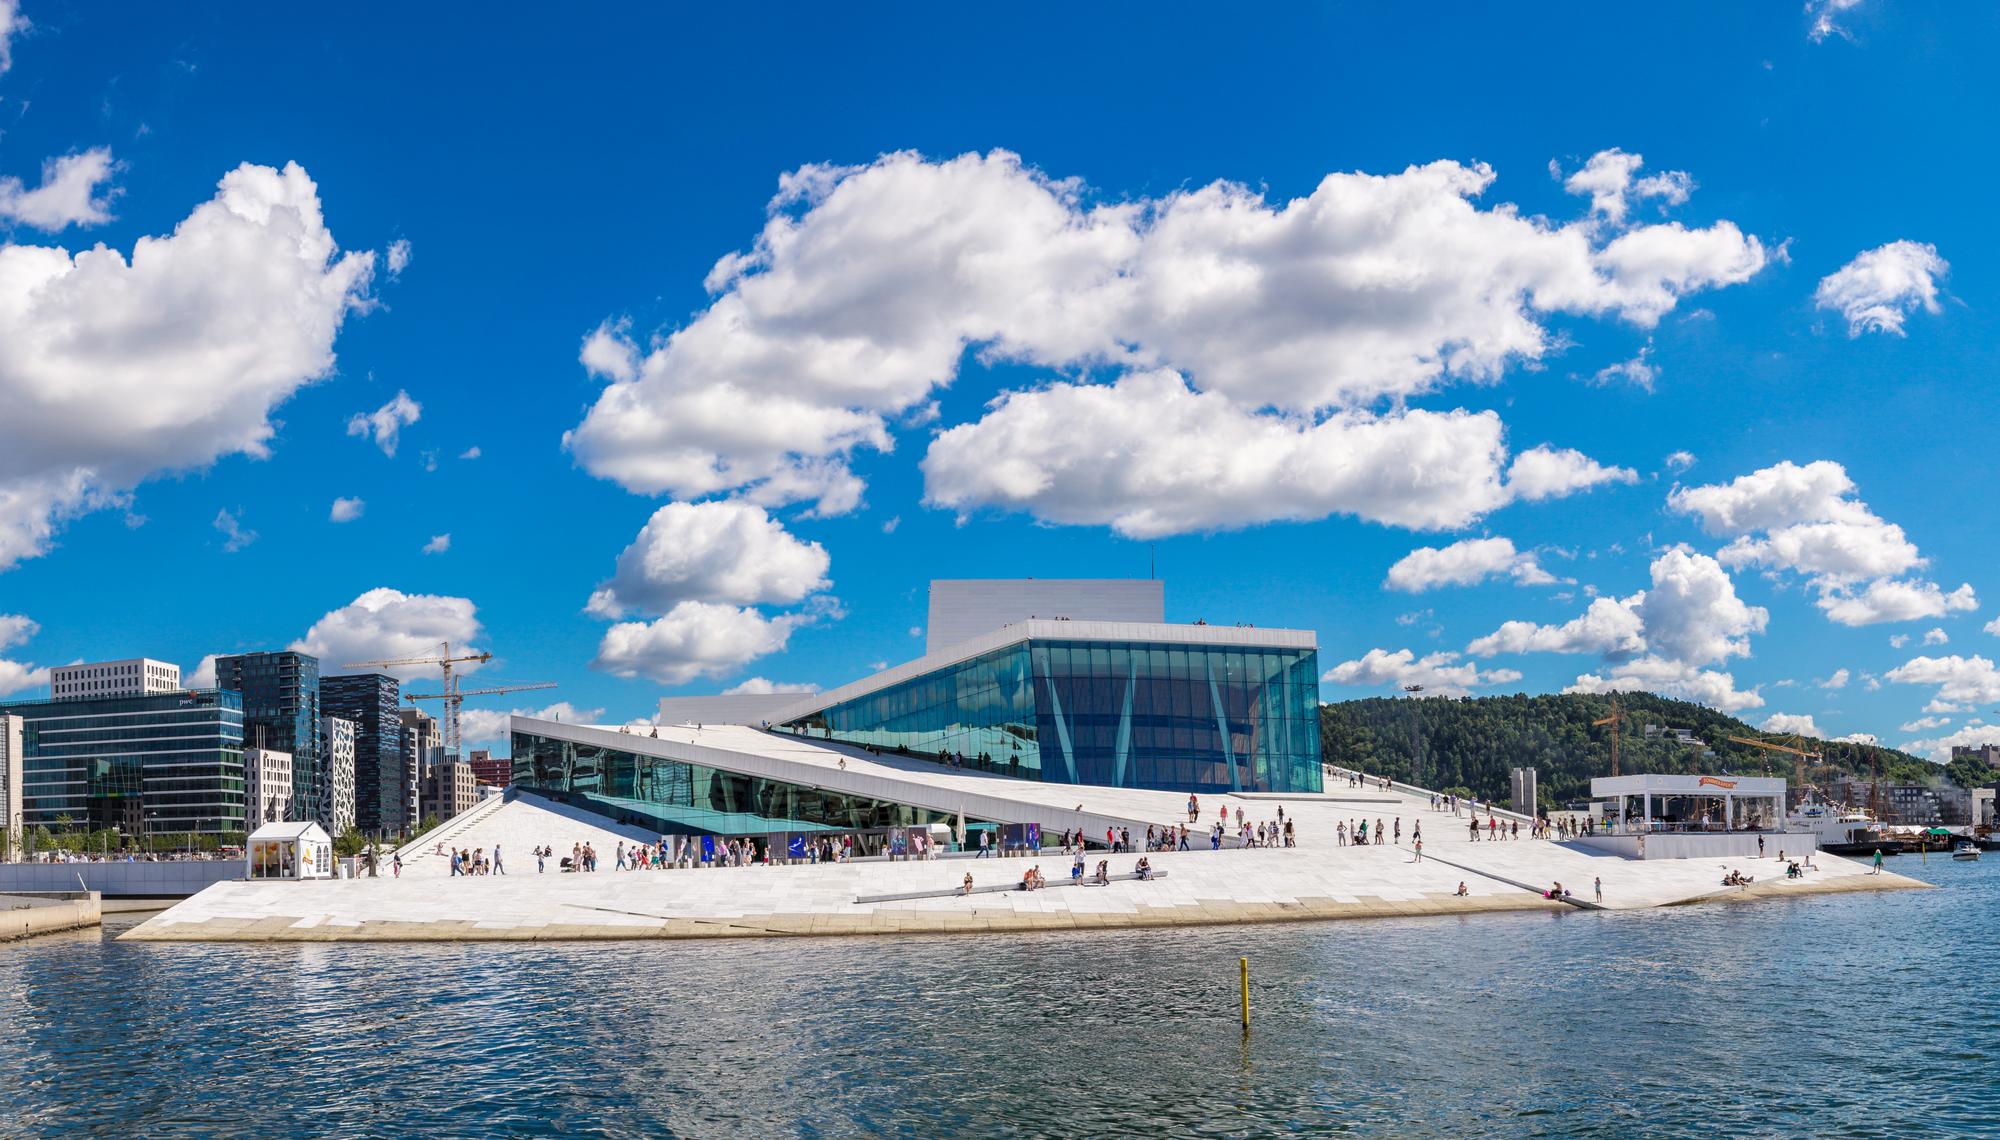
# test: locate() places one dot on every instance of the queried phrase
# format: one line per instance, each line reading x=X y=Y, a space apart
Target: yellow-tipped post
x=1243 y=966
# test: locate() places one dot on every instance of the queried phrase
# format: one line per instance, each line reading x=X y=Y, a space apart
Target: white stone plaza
x=1318 y=878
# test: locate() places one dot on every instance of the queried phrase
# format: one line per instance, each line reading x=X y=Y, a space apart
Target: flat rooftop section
x=964 y=608
x=1054 y=629
x=1672 y=784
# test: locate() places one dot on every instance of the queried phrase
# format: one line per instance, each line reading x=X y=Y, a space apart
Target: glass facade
x=1196 y=718
x=676 y=798
x=371 y=701
x=157 y=764
x=281 y=711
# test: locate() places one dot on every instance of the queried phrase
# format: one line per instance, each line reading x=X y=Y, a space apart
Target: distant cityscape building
x=157 y=763
x=336 y=797
x=489 y=771
x=1988 y=754
x=384 y=778
x=1910 y=805
x=267 y=787
x=281 y=710
x=449 y=788
x=133 y=675
x=422 y=743
x=11 y=729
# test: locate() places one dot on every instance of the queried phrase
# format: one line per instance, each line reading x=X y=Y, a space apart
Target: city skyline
x=655 y=371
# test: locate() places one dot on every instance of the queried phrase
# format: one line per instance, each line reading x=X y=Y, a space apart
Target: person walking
x=499 y=868
x=1878 y=862
x=541 y=860
x=396 y=865
x=1599 y=885
x=981 y=855
x=1760 y=847
x=1419 y=845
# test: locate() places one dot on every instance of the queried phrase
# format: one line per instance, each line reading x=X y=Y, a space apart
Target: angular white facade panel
x=963 y=608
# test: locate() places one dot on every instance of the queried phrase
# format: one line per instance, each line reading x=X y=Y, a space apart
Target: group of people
x=464 y=862
x=1033 y=880
x=1360 y=835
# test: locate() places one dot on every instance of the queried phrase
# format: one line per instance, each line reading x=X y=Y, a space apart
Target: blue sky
x=1276 y=297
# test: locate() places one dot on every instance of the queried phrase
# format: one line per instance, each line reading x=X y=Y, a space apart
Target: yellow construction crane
x=1802 y=754
x=1617 y=716
x=451 y=696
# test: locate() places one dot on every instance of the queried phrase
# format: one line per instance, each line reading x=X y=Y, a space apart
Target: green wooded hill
x=1470 y=743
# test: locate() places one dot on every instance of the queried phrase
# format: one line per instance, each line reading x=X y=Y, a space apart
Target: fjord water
x=1846 y=1015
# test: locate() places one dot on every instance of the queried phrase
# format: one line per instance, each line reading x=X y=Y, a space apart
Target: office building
x=281 y=710
x=132 y=676
x=336 y=797
x=488 y=771
x=142 y=763
x=382 y=771
x=1081 y=695
x=268 y=795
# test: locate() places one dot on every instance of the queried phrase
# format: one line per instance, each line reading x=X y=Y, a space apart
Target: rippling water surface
x=1850 y=1015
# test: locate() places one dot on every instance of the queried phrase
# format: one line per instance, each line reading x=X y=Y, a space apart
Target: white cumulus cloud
x=1801 y=724
x=69 y=194
x=694 y=639
x=1838 y=680
x=234 y=535
x=725 y=551
x=18 y=676
x=385 y=624
x=1938 y=748
x=1806 y=519
x=489 y=726
x=346 y=510
x=98 y=393
x=439 y=544
x=12 y=23
x=1610 y=179
x=1881 y=287
x=385 y=424
x=1823 y=18
x=1465 y=563
x=760 y=685
x=869 y=283
x=1441 y=674
x=1690 y=615
x=1545 y=472
x=1961 y=682
x=1673 y=679
x=399 y=257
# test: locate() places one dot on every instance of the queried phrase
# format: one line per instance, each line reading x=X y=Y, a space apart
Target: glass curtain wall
x=1164 y=716
x=977 y=714
x=674 y=797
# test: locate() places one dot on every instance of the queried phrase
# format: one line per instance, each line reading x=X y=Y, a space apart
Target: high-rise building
x=336 y=796
x=382 y=772
x=11 y=728
x=138 y=675
x=145 y=764
x=489 y=771
x=281 y=710
x=268 y=793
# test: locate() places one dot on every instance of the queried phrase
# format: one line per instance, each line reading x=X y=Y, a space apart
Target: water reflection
x=1848 y=1015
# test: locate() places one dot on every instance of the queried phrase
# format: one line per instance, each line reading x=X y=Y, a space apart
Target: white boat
x=1966 y=850
x=1835 y=826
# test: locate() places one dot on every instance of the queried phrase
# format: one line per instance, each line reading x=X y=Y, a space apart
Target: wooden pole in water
x=1243 y=964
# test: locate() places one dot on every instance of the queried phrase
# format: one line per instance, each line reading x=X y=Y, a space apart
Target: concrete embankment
x=23 y=916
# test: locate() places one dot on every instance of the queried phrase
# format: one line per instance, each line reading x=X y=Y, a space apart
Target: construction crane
x=1801 y=753
x=1617 y=715
x=451 y=696
x=457 y=695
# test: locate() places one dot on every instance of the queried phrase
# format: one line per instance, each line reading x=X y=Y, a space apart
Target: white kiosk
x=289 y=851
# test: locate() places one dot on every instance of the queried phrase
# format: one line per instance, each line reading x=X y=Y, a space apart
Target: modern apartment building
x=336 y=797
x=384 y=779
x=489 y=771
x=11 y=728
x=281 y=710
x=268 y=795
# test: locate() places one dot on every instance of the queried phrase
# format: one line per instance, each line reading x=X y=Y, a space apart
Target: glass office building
x=381 y=770
x=674 y=797
x=1164 y=715
x=281 y=711
x=163 y=763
